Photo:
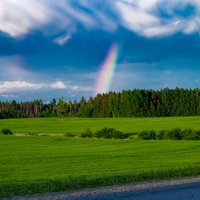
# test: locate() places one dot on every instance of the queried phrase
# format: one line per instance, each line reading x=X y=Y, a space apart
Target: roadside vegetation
x=74 y=184
x=43 y=164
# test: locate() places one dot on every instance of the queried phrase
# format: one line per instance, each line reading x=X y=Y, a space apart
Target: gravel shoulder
x=107 y=190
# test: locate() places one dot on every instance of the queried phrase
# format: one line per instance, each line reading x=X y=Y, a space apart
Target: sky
x=75 y=48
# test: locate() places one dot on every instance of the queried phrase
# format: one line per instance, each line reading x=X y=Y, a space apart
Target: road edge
x=108 y=189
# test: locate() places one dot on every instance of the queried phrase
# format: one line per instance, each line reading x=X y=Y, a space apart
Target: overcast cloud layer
x=52 y=48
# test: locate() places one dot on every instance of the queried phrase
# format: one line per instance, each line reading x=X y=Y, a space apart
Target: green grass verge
x=71 y=184
x=42 y=164
x=77 y=125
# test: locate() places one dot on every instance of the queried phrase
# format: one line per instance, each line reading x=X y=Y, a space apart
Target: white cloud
x=19 y=17
x=69 y=86
x=143 y=17
x=77 y=15
x=177 y=22
x=58 y=85
x=6 y=86
x=63 y=39
x=147 y=4
x=17 y=86
x=135 y=18
x=80 y=88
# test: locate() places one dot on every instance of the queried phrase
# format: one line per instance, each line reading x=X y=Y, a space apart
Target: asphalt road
x=181 y=189
x=178 y=192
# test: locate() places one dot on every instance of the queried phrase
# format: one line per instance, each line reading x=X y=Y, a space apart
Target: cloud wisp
x=63 y=39
x=18 y=17
x=155 y=18
x=17 y=86
x=149 y=18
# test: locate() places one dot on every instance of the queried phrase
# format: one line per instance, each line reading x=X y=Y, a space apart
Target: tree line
x=129 y=103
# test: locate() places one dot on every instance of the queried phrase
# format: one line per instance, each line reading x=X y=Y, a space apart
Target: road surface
x=183 y=189
x=183 y=192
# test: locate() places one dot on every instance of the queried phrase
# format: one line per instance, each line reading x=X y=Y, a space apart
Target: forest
x=129 y=103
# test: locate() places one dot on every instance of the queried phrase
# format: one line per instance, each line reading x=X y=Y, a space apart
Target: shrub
x=143 y=135
x=197 y=135
x=118 y=134
x=6 y=132
x=187 y=134
x=109 y=133
x=147 y=135
x=152 y=134
x=190 y=134
x=104 y=133
x=161 y=135
x=87 y=133
x=175 y=134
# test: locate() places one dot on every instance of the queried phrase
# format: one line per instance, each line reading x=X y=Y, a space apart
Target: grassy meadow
x=77 y=125
x=34 y=164
x=29 y=163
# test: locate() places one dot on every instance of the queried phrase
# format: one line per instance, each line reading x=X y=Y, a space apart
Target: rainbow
x=107 y=70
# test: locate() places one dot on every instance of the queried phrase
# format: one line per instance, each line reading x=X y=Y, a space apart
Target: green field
x=31 y=164
x=30 y=159
x=77 y=125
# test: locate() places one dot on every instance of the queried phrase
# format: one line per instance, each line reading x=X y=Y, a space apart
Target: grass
x=70 y=184
x=42 y=164
x=77 y=125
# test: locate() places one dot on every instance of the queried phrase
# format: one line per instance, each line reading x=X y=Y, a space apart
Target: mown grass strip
x=70 y=184
x=75 y=126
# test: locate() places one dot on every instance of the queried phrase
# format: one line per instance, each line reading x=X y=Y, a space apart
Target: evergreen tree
x=61 y=107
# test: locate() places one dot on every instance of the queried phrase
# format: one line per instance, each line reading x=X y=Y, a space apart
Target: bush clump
x=175 y=134
x=162 y=135
x=109 y=133
x=191 y=134
x=147 y=135
x=6 y=132
x=87 y=133
x=178 y=134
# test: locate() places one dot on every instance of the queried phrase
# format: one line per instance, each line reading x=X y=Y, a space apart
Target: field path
x=184 y=189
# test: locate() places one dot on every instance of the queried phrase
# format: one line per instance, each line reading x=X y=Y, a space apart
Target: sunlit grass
x=77 y=125
x=52 y=161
